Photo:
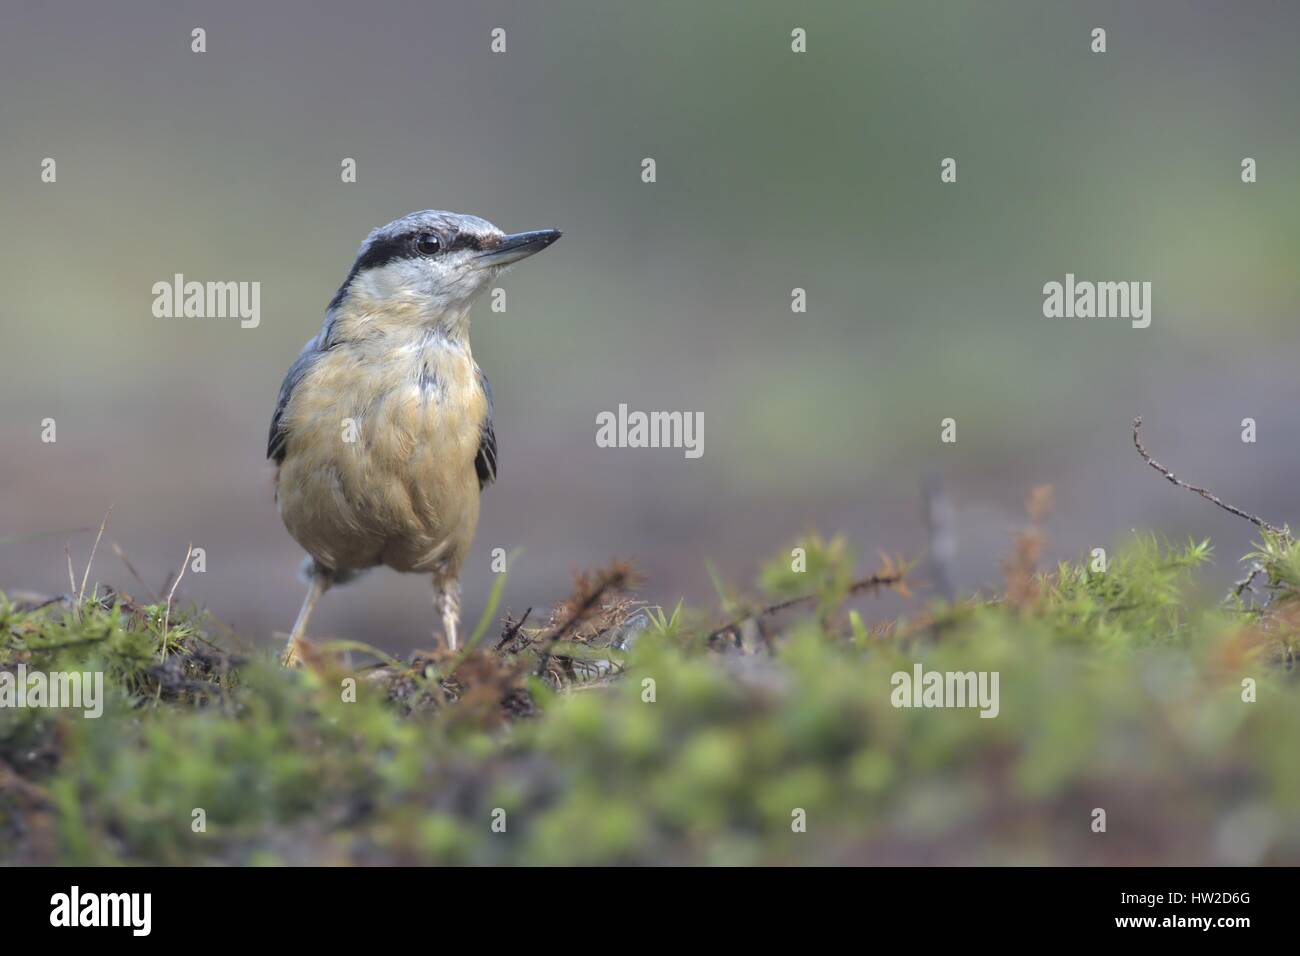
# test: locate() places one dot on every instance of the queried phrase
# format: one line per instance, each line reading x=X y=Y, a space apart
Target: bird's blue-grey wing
x=485 y=462
x=277 y=443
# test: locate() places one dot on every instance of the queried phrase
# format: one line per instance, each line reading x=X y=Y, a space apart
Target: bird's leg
x=320 y=583
x=446 y=599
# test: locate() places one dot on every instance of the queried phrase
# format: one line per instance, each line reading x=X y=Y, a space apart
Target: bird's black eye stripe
x=379 y=253
x=407 y=245
x=432 y=244
x=467 y=240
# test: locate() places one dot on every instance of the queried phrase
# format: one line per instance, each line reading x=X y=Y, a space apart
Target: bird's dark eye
x=428 y=245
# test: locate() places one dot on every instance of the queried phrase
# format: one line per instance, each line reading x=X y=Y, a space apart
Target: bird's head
x=430 y=265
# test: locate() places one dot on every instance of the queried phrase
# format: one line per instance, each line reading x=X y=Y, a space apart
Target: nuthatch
x=383 y=436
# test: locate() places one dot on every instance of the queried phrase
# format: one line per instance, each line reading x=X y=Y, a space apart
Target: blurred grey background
x=775 y=171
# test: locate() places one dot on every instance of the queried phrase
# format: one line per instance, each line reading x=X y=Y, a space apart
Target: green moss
x=1117 y=689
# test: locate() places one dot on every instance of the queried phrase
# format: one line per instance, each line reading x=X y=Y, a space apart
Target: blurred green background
x=775 y=171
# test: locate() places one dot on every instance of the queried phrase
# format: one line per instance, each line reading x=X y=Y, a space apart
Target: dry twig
x=72 y=582
x=588 y=594
x=1207 y=495
x=81 y=594
x=886 y=579
x=167 y=612
x=510 y=630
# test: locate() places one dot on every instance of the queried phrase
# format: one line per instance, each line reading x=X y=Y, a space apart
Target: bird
x=383 y=436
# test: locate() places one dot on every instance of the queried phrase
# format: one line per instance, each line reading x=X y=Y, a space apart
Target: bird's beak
x=519 y=245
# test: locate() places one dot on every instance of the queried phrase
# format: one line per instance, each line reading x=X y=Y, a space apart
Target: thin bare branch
x=1207 y=495
x=81 y=595
x=72 y=583
x=508 y=633
x=1248 y=582
x=873 y=583
x=167 y=612
x=586 y=599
